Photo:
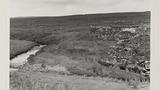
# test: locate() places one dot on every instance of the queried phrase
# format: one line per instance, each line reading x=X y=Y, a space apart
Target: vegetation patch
x=20 y=46
x=118 y=39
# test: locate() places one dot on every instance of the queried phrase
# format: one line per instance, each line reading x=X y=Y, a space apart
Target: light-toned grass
x=42 y=81
x=20 y=46
x=81 y=67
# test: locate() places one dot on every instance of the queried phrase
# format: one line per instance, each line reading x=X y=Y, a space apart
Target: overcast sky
x=20 y=8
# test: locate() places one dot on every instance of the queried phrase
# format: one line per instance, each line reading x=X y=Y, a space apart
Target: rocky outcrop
x=132 y=51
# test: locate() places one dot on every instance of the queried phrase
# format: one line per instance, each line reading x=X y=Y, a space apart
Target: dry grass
x=81 y=67
x=42 y=81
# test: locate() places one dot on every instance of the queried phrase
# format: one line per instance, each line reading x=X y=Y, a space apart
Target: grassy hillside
x=48 y=30
x=71 y=45
x=20 y=46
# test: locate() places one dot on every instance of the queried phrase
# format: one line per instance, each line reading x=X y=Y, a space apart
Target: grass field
x=20 y=46
x=41 y=81
x=48 y=30
x=69 y=44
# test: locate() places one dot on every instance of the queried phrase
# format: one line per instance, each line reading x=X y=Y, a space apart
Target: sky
x=24 y=8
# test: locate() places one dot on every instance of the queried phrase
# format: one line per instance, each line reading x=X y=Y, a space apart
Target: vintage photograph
x=79 y=44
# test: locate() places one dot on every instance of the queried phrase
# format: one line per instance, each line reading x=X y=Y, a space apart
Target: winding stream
x=22 y=58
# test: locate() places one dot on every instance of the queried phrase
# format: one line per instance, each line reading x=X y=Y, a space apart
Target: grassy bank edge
x=26 y=49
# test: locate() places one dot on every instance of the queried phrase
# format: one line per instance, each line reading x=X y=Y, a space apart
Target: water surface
x=22 y=58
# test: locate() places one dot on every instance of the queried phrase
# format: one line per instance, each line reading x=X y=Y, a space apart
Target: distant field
x=20 y=46
x=48 y=30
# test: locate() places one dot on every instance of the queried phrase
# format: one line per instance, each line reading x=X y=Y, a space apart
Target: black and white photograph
x=79 y=44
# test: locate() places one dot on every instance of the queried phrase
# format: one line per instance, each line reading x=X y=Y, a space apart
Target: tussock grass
x=84 y=68
x=39 y=81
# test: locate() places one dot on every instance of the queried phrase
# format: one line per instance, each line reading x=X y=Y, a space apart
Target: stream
x=22 y=58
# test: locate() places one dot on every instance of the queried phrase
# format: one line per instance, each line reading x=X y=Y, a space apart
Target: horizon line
x=78 y=14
